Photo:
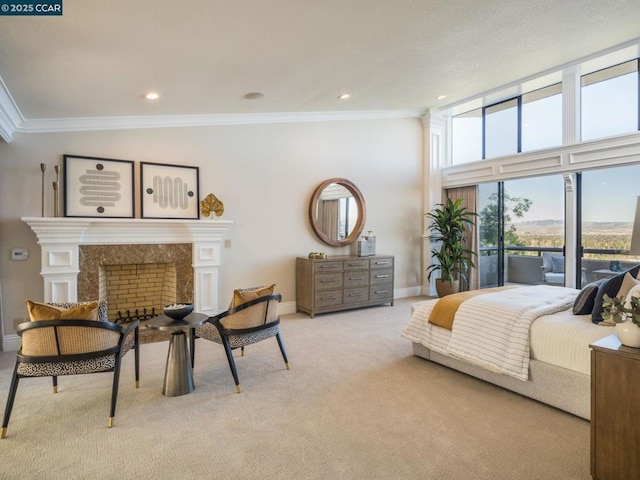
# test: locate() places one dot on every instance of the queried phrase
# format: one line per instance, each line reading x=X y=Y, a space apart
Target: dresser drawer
x=325 y=281
x=328 y=267
x=328 y=298
x=381 y=292
x=381 y=276
x=356 y=264
x=356 y=295
x=356 y=278
x=381 y=263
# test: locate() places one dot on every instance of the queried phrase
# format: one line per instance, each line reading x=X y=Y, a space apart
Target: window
x=610 y=101
x=542 y=118
x=467 y=137
x=528 y=122
x=501 y=129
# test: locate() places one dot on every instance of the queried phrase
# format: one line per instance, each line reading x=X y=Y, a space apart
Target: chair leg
x=282 y=350
x=232 y=363
x=12 y=396
x=136 y=352
x=55 y=384
x=114 y=389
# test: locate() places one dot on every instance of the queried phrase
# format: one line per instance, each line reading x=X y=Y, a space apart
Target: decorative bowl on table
x=178 y=311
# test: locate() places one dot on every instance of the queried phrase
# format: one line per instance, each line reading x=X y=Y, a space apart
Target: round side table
x=178 y=375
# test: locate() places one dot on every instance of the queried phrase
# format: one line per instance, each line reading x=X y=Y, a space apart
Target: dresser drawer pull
x=383 y=276
x=327 y=281
x=355 y=294
x=327 y=298
x=382 y=291
x=328 y=266
x=383 y=263
x=356 y=278
x=355 y=264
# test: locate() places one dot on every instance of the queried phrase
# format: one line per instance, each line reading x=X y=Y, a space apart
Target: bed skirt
x=556 y=386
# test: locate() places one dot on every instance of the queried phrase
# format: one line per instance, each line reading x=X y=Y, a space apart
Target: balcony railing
x=523 y=265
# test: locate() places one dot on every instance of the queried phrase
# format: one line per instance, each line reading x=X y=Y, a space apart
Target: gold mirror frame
x=362 y=212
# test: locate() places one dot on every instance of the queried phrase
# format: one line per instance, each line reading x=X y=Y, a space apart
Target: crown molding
x=167 y=121
x=11 y=120
x=10 y=116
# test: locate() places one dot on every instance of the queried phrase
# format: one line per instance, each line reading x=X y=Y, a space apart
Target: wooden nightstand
x=615 y=410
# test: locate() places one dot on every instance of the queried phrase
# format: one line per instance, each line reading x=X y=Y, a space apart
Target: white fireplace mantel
x=60 y=238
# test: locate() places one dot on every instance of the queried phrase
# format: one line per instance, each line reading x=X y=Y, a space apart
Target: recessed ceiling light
x=344 y=96
x=254 y=95
x=440 y=97
x=152 y=96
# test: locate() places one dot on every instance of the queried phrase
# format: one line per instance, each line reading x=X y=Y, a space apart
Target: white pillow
x=634 y=292
x=628 y=282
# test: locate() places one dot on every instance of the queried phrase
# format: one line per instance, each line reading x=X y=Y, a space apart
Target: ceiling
x=96 y=61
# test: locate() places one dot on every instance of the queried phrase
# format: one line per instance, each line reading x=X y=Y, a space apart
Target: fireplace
x=77 y=254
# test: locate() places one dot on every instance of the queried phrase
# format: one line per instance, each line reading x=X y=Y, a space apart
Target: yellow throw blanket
x=445 y=309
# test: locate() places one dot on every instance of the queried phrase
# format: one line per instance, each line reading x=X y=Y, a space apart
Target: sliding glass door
x=522 y=231
x=607 y=206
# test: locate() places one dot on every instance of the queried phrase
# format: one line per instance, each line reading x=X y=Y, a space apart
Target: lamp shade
x=635 y=235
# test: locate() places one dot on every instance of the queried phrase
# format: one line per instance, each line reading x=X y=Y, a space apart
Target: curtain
x=470 y=200
x=328 y=218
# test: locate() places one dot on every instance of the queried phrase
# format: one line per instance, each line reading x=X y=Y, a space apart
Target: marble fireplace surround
x=60 y=240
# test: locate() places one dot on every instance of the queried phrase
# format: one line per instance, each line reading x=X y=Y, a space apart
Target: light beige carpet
x=355 y=405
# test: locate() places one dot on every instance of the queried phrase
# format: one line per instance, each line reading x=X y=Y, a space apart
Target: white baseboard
x=11 y=343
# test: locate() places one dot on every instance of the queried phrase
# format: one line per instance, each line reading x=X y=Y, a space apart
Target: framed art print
x=98 y=187
x=169 y=191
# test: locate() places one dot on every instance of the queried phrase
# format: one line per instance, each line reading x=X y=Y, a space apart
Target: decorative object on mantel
x=56 y=192
x=98 y=187
x=169 y=191
x=211 y=203
x=43 y=167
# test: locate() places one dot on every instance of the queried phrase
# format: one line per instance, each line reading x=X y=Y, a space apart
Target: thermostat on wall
x=19 y=254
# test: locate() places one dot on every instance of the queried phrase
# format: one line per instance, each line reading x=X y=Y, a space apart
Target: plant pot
x=445 y=287
x=628 y=333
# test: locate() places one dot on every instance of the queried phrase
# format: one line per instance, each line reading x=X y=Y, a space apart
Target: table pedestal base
x=178 y=377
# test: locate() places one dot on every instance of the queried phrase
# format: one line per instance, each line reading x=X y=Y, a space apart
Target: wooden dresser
x=343 y=282
x=615 y=410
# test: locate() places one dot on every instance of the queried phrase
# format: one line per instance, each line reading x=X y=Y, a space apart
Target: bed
x=525 y=339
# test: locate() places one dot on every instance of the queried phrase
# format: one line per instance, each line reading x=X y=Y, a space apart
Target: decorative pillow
x=611 y=287
x=46 y=311
x=557 y=264
x=634 y=292
x=103 y=308
x=628 y=282
x=583 y=304
x=243 y=295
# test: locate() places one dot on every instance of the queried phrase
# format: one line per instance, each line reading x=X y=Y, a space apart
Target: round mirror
x=337 y=212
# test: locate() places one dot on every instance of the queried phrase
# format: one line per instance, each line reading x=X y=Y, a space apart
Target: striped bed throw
x=492 y=330
x=445 y=309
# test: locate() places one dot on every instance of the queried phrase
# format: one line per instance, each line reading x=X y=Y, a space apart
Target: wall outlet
x=227 y=243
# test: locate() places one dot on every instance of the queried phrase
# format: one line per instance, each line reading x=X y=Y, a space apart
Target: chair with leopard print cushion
x=242 y=325
x=67 y=346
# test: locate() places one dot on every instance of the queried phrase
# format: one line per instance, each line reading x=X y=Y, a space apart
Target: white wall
x=264 y=175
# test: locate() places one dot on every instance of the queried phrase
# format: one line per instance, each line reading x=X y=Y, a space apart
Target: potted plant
x=626 y=317
x=449 y=222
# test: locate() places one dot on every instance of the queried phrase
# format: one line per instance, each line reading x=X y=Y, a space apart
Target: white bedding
x=560 y=339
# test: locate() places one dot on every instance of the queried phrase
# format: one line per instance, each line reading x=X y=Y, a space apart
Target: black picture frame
x=169 y=191
x=98 y=187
